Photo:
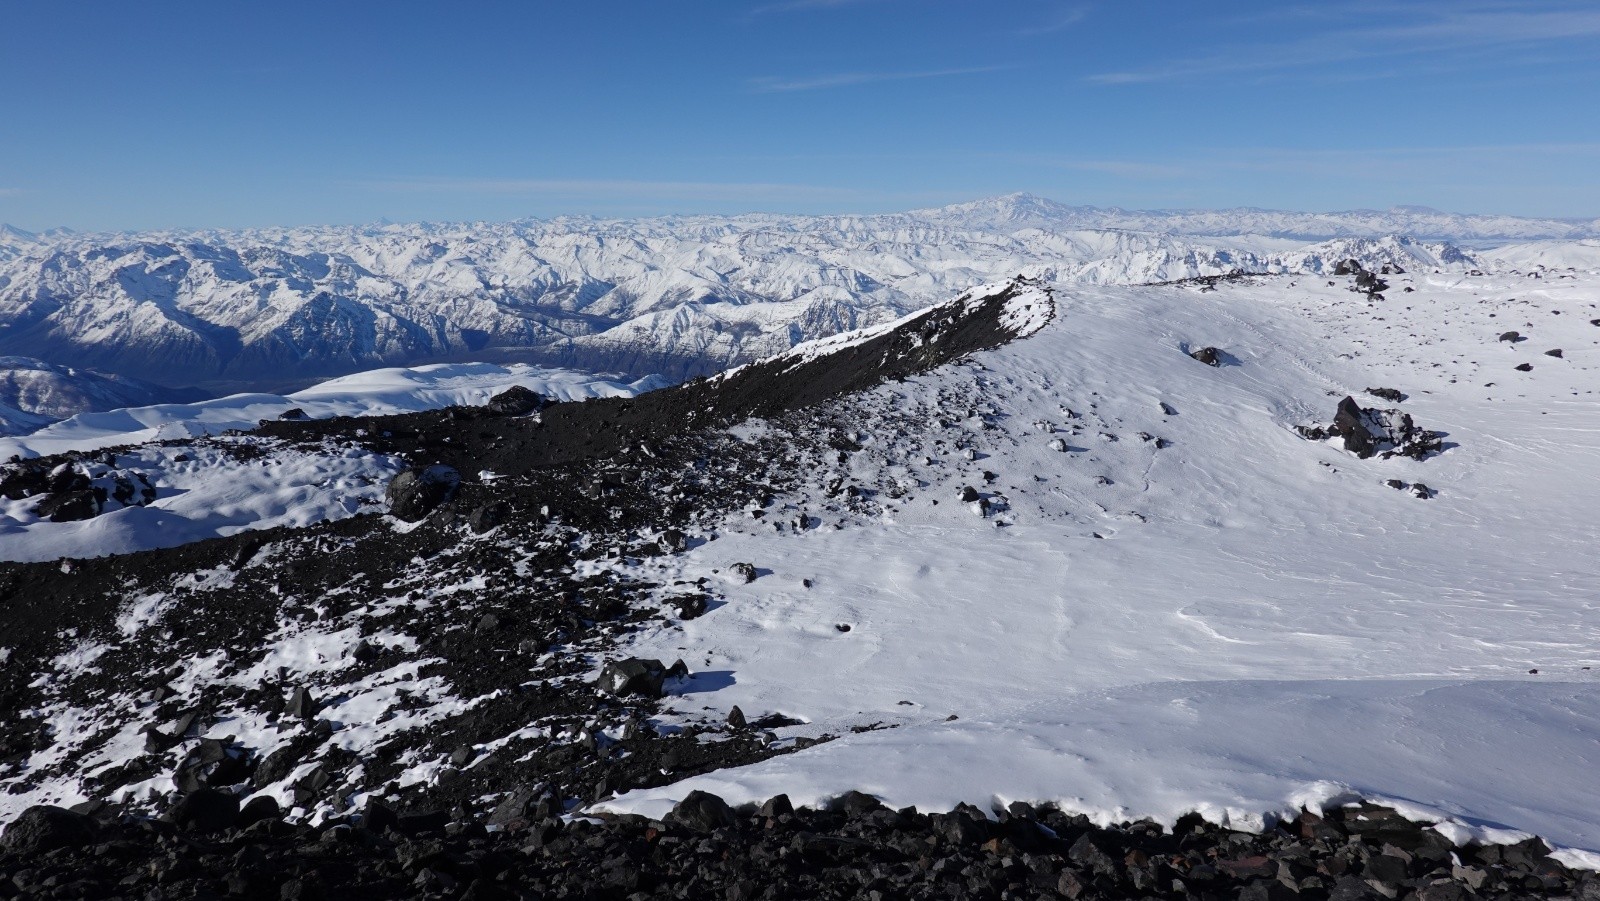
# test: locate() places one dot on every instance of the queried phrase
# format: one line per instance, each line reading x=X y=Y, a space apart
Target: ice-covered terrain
x=679 y=296
x=208 y=483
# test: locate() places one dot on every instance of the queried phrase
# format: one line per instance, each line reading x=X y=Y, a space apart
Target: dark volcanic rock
x=701 y=812
x=514 y=401
x=1350 y=424
x=43 y=828
x=1389 y=394
x=633 y=676
x=1367 y=432
x=1511 y=337
x=1524 y=367
x=70 y=506
x=418 y=491
x=1208 y=355
x=205 y=810
x=488 y=516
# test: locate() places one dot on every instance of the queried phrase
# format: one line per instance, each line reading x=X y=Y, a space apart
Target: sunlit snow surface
x=204 y=491
x=1240 y=623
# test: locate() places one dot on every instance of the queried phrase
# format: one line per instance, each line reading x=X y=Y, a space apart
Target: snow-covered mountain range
x=274 y=309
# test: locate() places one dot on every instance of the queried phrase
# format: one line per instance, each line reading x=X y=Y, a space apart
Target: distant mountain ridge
x=1027 y=210
x=278 y=308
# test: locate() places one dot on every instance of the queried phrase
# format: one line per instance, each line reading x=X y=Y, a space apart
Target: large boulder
x=514 y=401
x=205 y=810
x=44 y=828
x=701 y=812
x=633 y=676
x=418 y=491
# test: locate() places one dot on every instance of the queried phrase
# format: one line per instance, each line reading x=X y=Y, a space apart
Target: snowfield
x=1232 y=618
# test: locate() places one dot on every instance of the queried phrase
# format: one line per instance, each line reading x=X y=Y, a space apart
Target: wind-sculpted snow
x=679 y=296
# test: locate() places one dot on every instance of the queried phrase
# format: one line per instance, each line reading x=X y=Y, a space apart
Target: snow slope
x=1232 y=619
x=212 y=486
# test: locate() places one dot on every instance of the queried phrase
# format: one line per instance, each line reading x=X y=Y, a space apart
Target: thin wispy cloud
x=773 y=85
x=1431 y=30
x=1061 y=21
x=615 y=188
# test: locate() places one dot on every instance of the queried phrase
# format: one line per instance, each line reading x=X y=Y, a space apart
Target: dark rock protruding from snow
x=1511 y=337
x=1348 y=267
x=70 y=506
x=44 y=828
x=744 y=572
x=633 y=676
x=514 y=401
x=1208 y=355
x=1367 y=432
x=418 y=491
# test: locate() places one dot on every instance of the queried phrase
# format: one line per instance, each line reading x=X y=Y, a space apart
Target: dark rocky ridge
x=602 y=478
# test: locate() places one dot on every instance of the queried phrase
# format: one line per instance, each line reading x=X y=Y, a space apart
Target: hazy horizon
x=183 y=115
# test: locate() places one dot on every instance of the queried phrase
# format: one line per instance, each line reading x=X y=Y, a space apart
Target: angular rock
x=1208 y=355
x=302 y=704
x=70 y=506
x=514 y=401
x=418 y=491
x=633 y=676
x=45 y=828
x=488 y=516
x=205 y=810
x=701 y=812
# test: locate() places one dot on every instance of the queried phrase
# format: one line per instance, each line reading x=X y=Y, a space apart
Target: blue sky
x=157 y=114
